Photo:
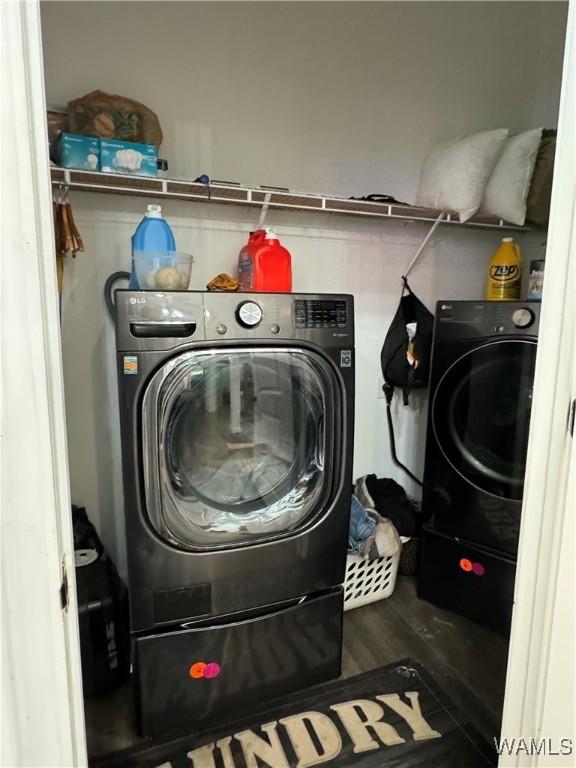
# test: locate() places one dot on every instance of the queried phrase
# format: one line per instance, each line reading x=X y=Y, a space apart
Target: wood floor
x=466 y=660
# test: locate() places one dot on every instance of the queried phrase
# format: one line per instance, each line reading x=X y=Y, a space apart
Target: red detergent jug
x=264 y=264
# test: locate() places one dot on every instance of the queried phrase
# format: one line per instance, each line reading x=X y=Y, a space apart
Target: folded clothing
x=362 y=525
x=383 y=542
x=371 y=535
x=389 y=499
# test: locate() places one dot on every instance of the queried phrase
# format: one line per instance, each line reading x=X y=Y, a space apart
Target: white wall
x=330 y=97
x=344 y=97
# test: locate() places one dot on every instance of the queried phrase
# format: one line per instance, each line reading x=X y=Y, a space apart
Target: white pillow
x=455 y=175
x=507 y=190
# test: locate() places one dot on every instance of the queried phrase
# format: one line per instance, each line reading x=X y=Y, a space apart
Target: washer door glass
x=481 y=415
x=239 y=445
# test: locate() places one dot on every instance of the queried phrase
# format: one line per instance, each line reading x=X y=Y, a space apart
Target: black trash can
x=102 y=611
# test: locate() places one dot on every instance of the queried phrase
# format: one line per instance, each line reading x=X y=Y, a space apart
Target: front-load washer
x=481 y=384
x=237 y=434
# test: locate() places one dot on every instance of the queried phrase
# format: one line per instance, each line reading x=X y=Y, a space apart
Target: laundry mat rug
x=393 y=717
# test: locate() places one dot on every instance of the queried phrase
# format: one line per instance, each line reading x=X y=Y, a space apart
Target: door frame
x=42 y=712
x=42 y=706
x=539 y=700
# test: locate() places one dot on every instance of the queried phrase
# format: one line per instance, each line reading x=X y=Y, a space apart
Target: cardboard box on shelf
x=74 y=151
x=128 y=157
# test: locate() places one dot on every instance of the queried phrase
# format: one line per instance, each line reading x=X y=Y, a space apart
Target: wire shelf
x=217 y=193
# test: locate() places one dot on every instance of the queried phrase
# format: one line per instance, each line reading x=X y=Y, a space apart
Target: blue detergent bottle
x=153 y=234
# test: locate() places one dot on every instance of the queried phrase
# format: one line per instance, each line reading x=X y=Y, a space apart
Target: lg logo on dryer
x=135 y=300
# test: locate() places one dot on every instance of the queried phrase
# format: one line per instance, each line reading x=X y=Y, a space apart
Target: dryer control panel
x=471 y=319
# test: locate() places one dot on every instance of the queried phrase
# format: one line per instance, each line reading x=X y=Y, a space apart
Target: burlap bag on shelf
x=114 y=117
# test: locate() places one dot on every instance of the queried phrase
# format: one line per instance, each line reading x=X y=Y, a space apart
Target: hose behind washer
x=109 y=291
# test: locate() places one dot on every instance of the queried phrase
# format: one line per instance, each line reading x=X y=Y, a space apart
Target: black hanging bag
x=407 y=348
x=405 y=356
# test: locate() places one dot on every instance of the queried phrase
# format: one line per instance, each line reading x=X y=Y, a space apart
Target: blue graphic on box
x=75 y=151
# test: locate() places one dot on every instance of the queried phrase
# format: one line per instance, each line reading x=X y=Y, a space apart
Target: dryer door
x=239 y=445
x=481 y=415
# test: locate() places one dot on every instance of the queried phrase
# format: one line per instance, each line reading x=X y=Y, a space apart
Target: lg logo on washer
x=202 y=670
x=469 y=567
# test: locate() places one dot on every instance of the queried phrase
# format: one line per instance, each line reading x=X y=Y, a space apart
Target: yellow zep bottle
x=505 y=272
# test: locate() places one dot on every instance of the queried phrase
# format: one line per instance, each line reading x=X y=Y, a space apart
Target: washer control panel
x=156 y=320
x=325 y=320
x=320 y=313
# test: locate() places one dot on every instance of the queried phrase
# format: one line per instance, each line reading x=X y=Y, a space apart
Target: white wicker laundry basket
x=369 y=580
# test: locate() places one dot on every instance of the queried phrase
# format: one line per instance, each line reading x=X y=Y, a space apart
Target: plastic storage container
x=264 y=264
x=154 y=236
x=162 y=271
